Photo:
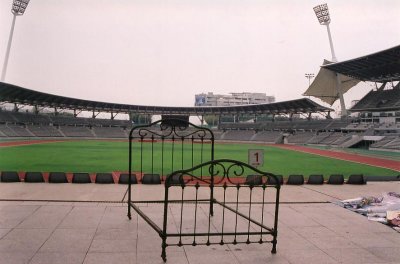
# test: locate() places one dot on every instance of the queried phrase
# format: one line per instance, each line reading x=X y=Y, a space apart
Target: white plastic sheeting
x=384 y=208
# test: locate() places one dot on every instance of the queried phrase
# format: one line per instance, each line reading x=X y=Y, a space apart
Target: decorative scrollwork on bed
x=213 y=203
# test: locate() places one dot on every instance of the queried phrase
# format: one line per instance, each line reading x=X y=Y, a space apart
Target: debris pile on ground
x=384 y=208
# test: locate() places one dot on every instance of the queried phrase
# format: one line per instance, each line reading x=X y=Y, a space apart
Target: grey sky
x=159 y=52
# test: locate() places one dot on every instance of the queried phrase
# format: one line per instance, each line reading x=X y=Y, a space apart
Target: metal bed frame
x=242 y=210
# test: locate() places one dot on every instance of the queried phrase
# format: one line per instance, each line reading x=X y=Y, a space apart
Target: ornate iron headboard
x=211 y=200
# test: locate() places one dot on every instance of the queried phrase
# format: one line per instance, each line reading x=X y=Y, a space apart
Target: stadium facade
x=244 y=98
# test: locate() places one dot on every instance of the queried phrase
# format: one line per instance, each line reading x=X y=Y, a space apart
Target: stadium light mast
x=322 y=13
x=17 y=9
x=309 y=76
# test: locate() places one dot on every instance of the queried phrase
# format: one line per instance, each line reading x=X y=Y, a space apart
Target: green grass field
x=107 y=156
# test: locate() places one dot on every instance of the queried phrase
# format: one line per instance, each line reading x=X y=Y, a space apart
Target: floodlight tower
x=17 y=9
x=309 y=76
x=322 y=13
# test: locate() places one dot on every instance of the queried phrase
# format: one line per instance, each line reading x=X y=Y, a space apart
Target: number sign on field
x=256 y=157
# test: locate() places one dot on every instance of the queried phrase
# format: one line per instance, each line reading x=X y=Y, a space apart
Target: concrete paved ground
x=74 y=229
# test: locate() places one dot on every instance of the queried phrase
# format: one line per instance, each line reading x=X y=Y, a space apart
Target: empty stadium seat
x=81 y=178
x=124 y=178
x=176 y=179
x=295 y=179
x=356 y=179
x=315 y=179
x=151 y=179
x=34 y=177
x=253 y=180
x=57 y=177
x=104 y=178
x=271 y=180
x=336 y=179
x=10 y=176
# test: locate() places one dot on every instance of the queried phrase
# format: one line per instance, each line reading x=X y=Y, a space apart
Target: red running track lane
x=377 y=162
x=26 y=142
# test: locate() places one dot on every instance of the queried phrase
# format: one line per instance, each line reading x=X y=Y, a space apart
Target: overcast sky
x=160 y=52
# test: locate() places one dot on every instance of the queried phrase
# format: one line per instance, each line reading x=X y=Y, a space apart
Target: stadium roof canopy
x=382 y=66
x=14 y=94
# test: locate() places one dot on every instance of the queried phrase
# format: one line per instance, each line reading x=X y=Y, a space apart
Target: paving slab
x=75 y=226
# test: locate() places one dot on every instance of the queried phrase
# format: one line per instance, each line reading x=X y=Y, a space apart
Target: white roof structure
x=324 y=85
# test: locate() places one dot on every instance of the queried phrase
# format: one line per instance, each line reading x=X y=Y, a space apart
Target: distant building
x=211 y=99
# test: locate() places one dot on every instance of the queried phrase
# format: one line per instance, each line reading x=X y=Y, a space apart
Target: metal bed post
x=129 y=176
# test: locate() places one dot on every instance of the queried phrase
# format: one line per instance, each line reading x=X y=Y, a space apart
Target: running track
x=377 y=162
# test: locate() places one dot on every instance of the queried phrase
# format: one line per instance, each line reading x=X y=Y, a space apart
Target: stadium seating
x=10 y=176
x=76 y=131
x=109 y=132
x=253 y=180
x=238 y=135
x=295 y=179
x=268 y=136
x=57 y=177
x=124 y=178
x=315 y=179
x=34 y=177
x=104 y=178
x=336 y=179
x=380 y=99
x=81 y=178
x=176 y=179
x=272 y=181
x=300 y=137
x=151 y=178
x=356 y=179
x=318 y=137
x=44 y=131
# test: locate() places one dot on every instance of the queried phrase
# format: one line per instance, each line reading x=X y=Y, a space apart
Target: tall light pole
x=309 y=76
x=17 y=9
x=322 y=13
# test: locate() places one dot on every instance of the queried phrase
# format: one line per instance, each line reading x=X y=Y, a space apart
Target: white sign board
x=256 y=157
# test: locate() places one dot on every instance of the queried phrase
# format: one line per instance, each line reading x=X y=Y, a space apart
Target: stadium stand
x=394 y=144
x=76 y=131
x=239 y=135
x=7 y=117
x=109 y=132
x=44 y=131
x=379 y=100
x=268 y=136
x=342 y=139
x=300 y=137
x=319 y=137
x=312 y=125
x=15 y=131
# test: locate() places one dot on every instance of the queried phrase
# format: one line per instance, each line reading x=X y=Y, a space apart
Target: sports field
x=108 y=156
